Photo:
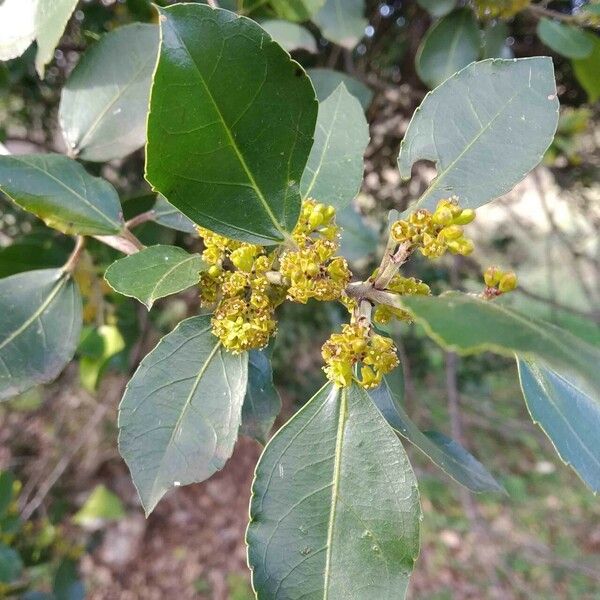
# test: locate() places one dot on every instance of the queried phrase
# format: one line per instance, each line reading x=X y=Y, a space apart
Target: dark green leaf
x=169 y=216
x=568 y=40
x=60 y=192
x=105 y=100
x=494 y=38
x=34 y=252
x=289 y=35
x=569 y=416
x=326 y=81
x=467 y=324
x=7 y=482
x=469 y=124
x=180 y=415
x=450 y=44
x=11 y=565
x=296 y=10
x=342 y=21
x=154 y=272
x=262 y=403
x=233 y=163
x=314 y=532
x=40 y=321
x=437 y=8
x=447 y=454
x=334 y=171
x=587 y=71
x=67 y=585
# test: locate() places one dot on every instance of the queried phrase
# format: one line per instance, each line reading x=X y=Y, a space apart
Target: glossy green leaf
x=154 y=273
x=342 y=21
x=469 y=124
x=568 y=40
x=359 y=241
x=568 y=415
x=334 y=171
x=290 y=35
x=11 y=564
x=105 y=100
x=168 y=216
x=102 y=505
x=443 y=451
x=62 y=193
x=326 y=81
x=450 y=44
x=262 y=403
x=180 y=415
x=23 y=21
x=437 y=8
x=40 y=321
x=314 y=530
x=587 y=71
x=233 y=163
x=296 y=10
x=467 y=324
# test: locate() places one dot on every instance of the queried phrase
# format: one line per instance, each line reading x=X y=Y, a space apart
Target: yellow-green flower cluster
x=359 y=354
x=503 y=9
x=500 y=281
x=434 y=234
x=403 y=286
x=313 y=270
x=237 y=281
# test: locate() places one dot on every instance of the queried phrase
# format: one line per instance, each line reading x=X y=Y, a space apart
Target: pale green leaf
x=359 y=241
x=296 y=10
x=62 y=193
x=568 y=40
x=450 y=44
x=326 y=81
x=290 y=35
x=335 y=509
x=469 y=124
x=180 y=415
x=262 y=403
x=40 y=321
x=446 y=453
x=587 y=70
x=105 y=100
x=437 y=8
x=342 y=21
x=569 y=416
x=334 y=171
x=154 y=273
x=233 y=163
x=102 y=505
x=168 y=216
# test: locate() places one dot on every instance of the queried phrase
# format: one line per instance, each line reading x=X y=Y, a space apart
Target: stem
x=392 y=266
x=144 y=217
x=73 y=259
x=541 y=11
x=120 y=243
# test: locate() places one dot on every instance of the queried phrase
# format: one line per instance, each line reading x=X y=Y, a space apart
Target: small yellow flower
x=359 y=354
x=498 y=282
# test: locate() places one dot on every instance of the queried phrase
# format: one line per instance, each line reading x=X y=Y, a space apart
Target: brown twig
x=74 y=257
x=149 y=215
x=540 y=11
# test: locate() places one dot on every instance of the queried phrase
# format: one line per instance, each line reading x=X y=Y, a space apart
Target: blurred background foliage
x=70 y=525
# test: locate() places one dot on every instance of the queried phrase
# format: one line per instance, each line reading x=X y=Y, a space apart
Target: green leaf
x=565 y=39
x=105 y=100
x=233 y=164
x=342 y=21
x=289 y=35
x=568 y=415
x=449 y=45
x=102 y=344
x=437 y=8
x=11 y=565
x=101 y=506
x=467 y=325
x=469 y=126
x=334 y=171
x=314 y=532
x=154 y=272
x=358 y=240
x=262 y=403
x=180 y=415
x=494 y=37
x=23 y=21
x=168 y=216
x=67 y=585
x=446 y=453
x=7 y=482
x=326 y=81
x=296 y=10
x=40 y=321
x=62 y=193
x=587 y=71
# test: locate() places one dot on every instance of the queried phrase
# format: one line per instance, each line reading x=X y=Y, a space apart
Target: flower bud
x=452 y=232
x=442 y=216
x=508 y=282
x=492 y=276
x=465 y=217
